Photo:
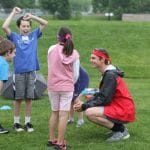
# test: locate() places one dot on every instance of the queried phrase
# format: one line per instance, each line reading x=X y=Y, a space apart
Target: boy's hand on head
x=17 y=10
x=27 y=16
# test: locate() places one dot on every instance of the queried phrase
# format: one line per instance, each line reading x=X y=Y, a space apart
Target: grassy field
x=128 y=45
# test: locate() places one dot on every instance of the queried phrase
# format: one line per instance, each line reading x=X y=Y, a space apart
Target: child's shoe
x=3 y=130
x=70 y=121
x=18 y=127
x=80 y=123
x=63 y=146
x=51 y=143
x=29 y=127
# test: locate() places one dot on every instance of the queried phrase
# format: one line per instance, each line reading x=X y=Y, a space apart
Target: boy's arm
x=1 y=85
x=43 y=23
x=6 y=24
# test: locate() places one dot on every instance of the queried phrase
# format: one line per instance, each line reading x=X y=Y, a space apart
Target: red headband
x=101 y=54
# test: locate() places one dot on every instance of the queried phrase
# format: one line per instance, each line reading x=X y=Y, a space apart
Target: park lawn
x=128 y=45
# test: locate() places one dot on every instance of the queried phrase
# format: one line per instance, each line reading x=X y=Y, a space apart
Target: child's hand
x=77 y=106
x=17 y=10
x=27 y=16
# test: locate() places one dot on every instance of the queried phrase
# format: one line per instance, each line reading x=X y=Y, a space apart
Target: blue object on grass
x=5 y=107
x=89 y=91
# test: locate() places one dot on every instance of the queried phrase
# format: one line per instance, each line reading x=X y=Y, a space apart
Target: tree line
x=63 y=9
x=118 y=7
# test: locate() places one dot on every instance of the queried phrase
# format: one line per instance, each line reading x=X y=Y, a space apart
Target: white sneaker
x=80 y=123
x=109 y=133
x=29 y=127
x=117 y=136
x=18 y=127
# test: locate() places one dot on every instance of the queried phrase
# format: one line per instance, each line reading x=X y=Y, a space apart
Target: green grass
x=128 y=45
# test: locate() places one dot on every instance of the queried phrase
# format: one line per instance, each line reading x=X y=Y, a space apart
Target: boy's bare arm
x=43 y=23
x=1 y=85
x=6 y=24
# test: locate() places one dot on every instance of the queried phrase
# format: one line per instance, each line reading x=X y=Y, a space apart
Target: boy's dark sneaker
x=18 y=127
x=29 y=127
x=3 y=130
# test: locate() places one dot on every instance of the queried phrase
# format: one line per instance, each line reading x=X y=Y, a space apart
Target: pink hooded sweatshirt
x=60 y=69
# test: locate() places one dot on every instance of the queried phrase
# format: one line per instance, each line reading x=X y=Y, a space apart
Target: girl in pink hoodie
x=63 y=72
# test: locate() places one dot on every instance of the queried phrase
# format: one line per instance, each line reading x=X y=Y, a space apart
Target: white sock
x=27 y=119
x=80 y=121
x=16 y=119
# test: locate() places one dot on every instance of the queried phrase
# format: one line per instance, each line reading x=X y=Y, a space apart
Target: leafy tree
x=100 y=5
x=20 y=3
x=59 y=8
x=7 y=3
x=118 y=7
x=142 y=6
x=25 y=3
x=82 y=5
x=64 y=10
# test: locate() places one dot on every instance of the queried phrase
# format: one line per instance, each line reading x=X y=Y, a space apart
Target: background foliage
x=118 y=7
x=60 y=9
x=67 y=8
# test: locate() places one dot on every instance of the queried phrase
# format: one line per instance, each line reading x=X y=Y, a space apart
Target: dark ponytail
x=65 y=37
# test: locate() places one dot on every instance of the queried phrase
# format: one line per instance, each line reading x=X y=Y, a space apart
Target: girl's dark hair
x=5 y=46
x=104 y=52
x=18 y=22
x=65 y=37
